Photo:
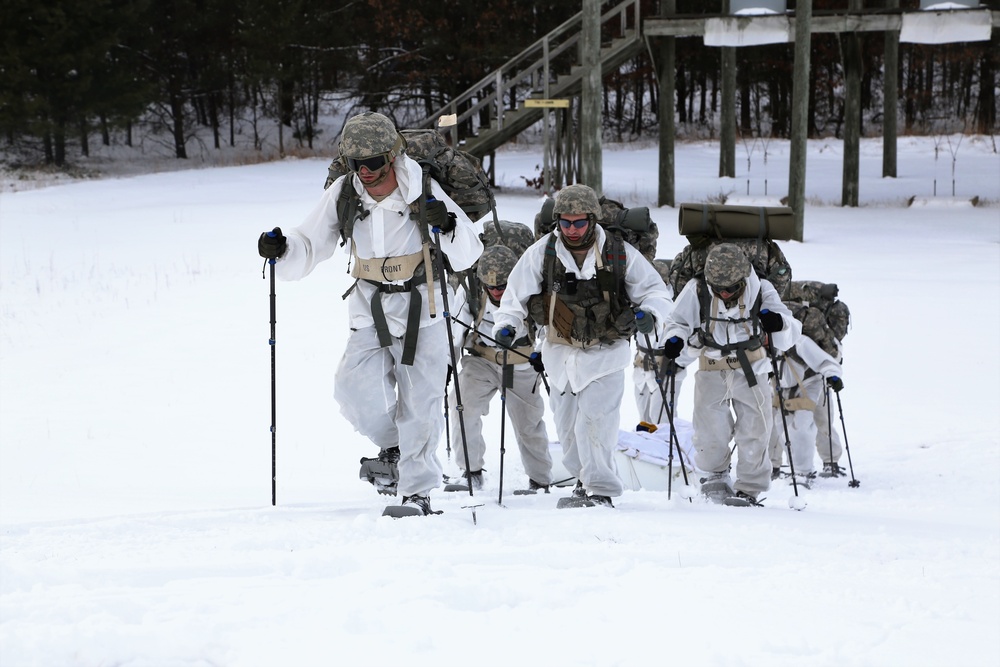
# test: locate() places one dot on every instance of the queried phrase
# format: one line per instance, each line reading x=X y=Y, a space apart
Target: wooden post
x=800 y=115
x=590 y=102
x=850 y=47
x=890 y=95
x=727 y=108
x=666 y=72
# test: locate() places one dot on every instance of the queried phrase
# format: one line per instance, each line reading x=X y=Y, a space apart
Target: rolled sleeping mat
x=736 y=222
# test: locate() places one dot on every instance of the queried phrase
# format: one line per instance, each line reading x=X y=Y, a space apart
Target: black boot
x=382 y=472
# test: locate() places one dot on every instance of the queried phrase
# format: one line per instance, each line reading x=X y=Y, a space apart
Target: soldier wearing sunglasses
x=390 y=381
x=591 y=291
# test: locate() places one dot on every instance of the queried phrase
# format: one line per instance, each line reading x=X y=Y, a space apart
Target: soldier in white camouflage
x=390 y=381
x=826 y=321
x=591 y=291
x=482 y=373
x=731 y=317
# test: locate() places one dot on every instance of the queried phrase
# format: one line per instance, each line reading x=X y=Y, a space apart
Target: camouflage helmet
x=369 y=134
x=495 y=265
x=577 y=199
x=662 y=267
x=726 y=264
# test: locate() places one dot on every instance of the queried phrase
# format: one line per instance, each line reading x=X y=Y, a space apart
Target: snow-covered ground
x=136 y=526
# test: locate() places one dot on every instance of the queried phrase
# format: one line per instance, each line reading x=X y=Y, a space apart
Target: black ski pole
x=829 y=426
x=459 y=408
x=274 y=403
x=674 y=442
x=853 y=483
x=506 y=372
x=784 y=421
x=674 y=368
x=447 y=417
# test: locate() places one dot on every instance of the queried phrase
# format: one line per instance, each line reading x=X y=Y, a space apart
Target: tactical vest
x=585 y=312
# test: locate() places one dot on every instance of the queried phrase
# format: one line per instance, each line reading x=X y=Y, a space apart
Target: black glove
x=438 y=216
x=272 y=244
x=771 y=322
x=505 y=337
x=672 y=348
x=643 y=322
x=536 y=362
x=835 y=383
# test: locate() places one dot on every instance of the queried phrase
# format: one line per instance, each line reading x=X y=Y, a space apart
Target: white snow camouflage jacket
x=387 y=231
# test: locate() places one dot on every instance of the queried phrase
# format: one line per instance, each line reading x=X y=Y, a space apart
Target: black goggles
x=373 y=163
x=729 y=289
x=497 y=288
x=579 y=224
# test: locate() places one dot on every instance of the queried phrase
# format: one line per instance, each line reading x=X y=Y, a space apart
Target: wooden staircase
x=548 y=69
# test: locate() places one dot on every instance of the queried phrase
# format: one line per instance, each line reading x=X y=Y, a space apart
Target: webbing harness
x=750 y=323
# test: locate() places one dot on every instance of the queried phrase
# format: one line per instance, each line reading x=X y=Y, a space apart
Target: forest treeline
x=77 y=71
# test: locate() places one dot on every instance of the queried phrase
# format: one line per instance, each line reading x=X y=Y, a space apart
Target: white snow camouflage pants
x=396 y=405
x=802 y=431
x=717 y=395
x=479 y=382
x=587 y=424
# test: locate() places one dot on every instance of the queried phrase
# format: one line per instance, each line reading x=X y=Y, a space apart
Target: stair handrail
x=513 y=73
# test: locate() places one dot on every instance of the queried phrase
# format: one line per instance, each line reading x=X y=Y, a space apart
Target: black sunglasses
x=730 y=289
x=579 y=224
x=371 y=163
x=497 y=288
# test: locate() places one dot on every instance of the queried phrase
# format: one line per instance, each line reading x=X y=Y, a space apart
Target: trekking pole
x=673 y=434
x=274 y=403
x=545 y=380
x=504 y=371
x=853 y=483
x=829 y=423
x=793 y=503
x=439 y=261
x=447 y=417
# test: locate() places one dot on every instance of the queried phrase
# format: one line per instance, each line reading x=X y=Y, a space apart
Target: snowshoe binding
x=382 y=472
x=716 y=487
x=533 y=488
x=832 y=470
x=741 y=499
x=452 y=484
x=415 y=505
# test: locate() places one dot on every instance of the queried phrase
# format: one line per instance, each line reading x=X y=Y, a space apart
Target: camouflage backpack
x=459 y=173
x=823 y=298
x=766 y=257
x=514 y=235
x=633 y=224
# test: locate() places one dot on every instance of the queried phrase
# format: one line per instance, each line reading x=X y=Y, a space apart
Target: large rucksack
x=753 y=229
x=515 y=235
x=822 y=297
x=633 y=224
x=459 y=173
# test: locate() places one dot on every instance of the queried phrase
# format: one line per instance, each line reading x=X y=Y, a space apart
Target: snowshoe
x=577 y=499
x=741 y=499
x=832 y=470
x=453 y=484
x=412 y=506
x=382 y=472
x=716 y=487
x=533 y=488
x=584 y=501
